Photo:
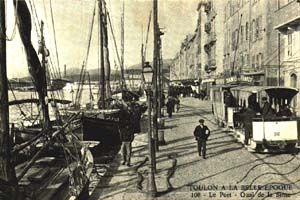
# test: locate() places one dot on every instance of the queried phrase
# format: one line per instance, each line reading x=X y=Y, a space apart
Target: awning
x=258 y=73
x=211 y=80
x=284 y=27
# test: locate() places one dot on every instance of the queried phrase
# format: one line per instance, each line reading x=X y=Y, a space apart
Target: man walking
x=170 y=107
x=201 y=134
x=127 y=137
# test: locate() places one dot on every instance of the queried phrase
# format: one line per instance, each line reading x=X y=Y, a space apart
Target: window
x=253 y=30
x=236 y=38
x=233 y=41
x=257 y=61
x=242 y=60
x=242 y=34
x=247 y=30
x=246 y=60
x=256 y=29
x=290 y=41
x=261 y=60
x=259 y=30
x=253 y=61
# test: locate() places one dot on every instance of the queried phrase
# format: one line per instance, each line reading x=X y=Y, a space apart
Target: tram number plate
x=276 y=133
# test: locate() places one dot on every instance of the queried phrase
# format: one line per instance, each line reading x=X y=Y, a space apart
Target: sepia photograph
x=149 y=99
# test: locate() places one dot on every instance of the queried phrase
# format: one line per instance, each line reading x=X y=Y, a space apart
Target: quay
x=229 y=167
x=171 y=111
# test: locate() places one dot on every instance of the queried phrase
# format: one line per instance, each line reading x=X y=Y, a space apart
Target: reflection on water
x=31 y=110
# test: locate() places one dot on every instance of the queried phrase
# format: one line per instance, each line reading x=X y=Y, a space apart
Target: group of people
x=180 y=90
x=268 y=111
x=265 y=111
x=173 y=104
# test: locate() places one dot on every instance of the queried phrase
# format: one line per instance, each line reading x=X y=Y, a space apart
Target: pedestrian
x=170 y=106
x=127 y=137
x=177 y=103
x=136 y=120
x=201 y=134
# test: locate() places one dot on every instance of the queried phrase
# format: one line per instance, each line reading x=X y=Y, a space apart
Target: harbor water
x=31 y=110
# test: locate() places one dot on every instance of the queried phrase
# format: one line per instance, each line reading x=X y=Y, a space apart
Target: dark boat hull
x=104 y=130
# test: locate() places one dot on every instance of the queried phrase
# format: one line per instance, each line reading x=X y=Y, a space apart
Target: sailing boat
x=102 y=124
x=60 y=165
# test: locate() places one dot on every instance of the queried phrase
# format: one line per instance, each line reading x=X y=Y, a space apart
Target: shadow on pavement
x=180 y=139
x=210 y=145
x=218 y=173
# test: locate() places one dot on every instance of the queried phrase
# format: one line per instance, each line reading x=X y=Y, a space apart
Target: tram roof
x=282 y=92
x=255 y=89
x=223 y=86
x=274 y=92
x=250 y=89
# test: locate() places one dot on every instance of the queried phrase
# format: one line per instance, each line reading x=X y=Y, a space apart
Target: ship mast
x=45 y=109
x=123 y=85
x=106 y=53
x=102 y=71
x=7 y=170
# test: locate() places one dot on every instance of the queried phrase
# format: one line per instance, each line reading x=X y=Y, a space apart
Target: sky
x=72 y=22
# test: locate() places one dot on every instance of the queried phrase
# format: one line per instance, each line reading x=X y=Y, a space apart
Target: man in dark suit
x=266 y=110
x=201 y=134
x=127 y=137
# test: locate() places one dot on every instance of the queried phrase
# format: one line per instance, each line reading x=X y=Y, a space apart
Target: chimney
x=65 y=71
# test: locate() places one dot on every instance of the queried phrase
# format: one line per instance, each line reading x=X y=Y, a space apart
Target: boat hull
x=103 y=130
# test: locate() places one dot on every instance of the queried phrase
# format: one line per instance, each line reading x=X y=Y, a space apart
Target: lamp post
x=148 y=78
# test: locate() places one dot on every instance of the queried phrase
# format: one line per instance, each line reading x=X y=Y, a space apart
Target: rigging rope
x=54 y=32
x=82 y=73
x=45 y=11
x=13 y=34
x=18 y=105
x=148 y=29
x=113 y=35
x=34 y=14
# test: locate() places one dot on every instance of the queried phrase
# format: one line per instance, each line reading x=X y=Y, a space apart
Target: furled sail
x=35 y=69
x=106 y=57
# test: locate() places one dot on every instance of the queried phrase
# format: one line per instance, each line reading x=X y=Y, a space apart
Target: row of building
x=255 y=38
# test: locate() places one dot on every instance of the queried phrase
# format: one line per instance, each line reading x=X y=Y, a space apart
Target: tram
x=220 y=105
x=242 y=110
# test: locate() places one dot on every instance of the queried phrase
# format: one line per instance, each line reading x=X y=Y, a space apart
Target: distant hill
x=166 y=63
x=73 y=74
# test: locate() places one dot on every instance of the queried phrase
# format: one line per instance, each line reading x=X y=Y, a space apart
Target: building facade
x=201 y=53
x=288 y=26
x=184 y=65
x=250 y=41
x=213 y=37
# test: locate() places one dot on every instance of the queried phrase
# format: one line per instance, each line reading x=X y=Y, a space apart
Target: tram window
x=218 y=97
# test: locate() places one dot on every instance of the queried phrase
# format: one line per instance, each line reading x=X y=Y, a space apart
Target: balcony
x=210 y=66
x=287 y=17
x=212 y=62
x=211 y=39
x=207 y=48
x=207 y=27
x=207 y=7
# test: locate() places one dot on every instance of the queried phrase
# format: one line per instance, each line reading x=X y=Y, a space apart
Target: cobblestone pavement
x=229 y=172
